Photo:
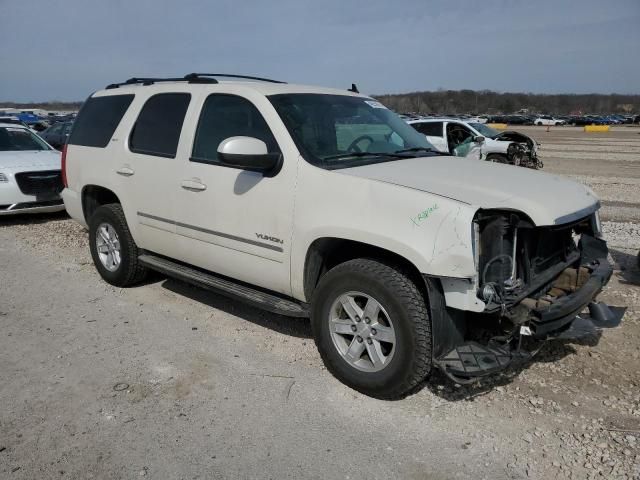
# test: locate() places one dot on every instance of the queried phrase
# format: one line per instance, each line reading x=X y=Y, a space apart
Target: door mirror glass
x=479 y=139
x=249 y=153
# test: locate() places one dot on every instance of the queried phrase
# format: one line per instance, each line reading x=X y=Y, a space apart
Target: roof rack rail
x=227 y=75
x=191 y=78
x=150 y=81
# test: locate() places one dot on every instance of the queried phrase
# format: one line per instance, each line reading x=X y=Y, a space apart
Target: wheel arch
x=327 y=252
x=94 y=196
x=448 y=325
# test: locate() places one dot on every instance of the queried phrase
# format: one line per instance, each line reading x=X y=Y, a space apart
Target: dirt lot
x=167 y=381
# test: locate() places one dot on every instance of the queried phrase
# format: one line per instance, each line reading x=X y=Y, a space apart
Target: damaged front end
x=535 y=283
x=522 y=151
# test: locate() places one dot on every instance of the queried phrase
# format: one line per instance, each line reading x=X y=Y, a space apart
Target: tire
x=408 y=358
x=539 y=124
x=128 y=270
x=496 y=158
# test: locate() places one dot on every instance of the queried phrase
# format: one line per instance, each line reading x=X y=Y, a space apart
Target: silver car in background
x=30 y=174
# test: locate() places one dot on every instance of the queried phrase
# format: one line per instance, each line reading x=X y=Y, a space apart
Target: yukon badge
x=262 y=236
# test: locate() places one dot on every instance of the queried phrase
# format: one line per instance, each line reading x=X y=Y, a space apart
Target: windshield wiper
x=420 y=149
x=398 y=154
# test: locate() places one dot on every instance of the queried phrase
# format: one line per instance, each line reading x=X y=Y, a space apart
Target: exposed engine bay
x=524 y=268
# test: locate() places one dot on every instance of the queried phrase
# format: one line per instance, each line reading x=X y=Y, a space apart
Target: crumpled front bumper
x=557 y=317
x=566 y=318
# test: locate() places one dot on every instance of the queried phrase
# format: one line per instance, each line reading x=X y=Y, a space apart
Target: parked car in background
x=478 y=141
x=30 y=176
x=588 y=120
x=57 y=134
x=548 y=120
x=12 y=120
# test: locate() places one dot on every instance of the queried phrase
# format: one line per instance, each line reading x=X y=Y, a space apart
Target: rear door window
x=98 y=119
x=157 y=129
x=431 y=129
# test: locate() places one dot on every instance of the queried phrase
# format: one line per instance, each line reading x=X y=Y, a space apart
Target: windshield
x=484 y=130
x=338 y=131
x=20 y=139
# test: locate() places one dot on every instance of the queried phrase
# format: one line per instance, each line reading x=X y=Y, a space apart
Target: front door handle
x=125 y=171
x=193 y=185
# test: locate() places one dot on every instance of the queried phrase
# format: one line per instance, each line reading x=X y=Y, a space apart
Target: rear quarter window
x=98 y=119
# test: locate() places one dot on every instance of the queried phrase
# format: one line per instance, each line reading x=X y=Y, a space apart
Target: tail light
x=63 y=165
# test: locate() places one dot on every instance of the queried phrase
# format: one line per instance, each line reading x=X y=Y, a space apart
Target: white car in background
x=30 y=174
x=478 y=141
x=548 y=120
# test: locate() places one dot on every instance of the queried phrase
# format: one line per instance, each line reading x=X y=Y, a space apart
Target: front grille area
x=43 y=183
x=517 y=258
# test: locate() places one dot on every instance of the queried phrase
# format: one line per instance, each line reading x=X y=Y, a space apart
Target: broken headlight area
x=521 y=155
x=535 y=282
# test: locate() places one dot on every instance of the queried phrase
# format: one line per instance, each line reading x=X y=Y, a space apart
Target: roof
x=13 y=125
x=265 y=88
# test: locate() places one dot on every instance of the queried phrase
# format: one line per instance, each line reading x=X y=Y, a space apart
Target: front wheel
x=114 y=252
x=372 y=328
x=497 y=158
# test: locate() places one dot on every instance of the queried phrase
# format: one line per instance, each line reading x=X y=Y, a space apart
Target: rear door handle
x=125 y=171
x=193 y=185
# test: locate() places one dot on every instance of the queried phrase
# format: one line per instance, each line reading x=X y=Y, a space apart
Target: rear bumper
x=559 y=315
x=73 y=204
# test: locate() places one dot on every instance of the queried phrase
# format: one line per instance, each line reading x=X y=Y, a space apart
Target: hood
x=547 y=199
x=17 y=161
x=513 y=136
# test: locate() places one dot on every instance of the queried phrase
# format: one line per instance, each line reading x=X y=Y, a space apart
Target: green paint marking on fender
x=423 y=215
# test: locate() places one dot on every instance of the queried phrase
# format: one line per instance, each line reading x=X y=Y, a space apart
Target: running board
x=229 y=288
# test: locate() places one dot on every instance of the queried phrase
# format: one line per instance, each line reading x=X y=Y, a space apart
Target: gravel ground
x=168 y=381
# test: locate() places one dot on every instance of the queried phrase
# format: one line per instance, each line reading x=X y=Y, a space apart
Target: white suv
x=318 y=202
x=478 y=141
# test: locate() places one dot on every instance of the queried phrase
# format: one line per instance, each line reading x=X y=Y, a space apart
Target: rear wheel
x=114 y=252
x=372 y=328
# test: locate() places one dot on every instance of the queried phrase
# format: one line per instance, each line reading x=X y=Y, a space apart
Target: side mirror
x=248 y=153
x=478 y=139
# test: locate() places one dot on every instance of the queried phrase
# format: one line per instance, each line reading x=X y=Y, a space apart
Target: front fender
x=432 y=232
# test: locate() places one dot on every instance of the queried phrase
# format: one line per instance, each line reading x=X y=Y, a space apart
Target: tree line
x=466 y=101
x=52 y=106
x=487 y=101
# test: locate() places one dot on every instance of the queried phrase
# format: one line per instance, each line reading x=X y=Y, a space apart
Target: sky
x=66 y=49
